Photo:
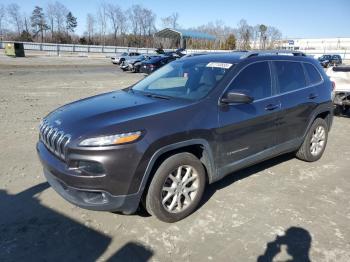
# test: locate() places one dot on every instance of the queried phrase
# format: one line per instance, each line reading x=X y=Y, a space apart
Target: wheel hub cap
x=180 y=189
x=318 y=140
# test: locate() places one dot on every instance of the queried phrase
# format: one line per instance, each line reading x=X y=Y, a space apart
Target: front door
x=247 y=129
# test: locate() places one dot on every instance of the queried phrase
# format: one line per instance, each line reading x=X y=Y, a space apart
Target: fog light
x=91 y=167
x=96 y=198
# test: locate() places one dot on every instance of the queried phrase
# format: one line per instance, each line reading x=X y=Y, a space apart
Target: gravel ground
x=278 y=210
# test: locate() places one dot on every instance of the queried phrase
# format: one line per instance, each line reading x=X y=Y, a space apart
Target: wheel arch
x=325 y=112
x=198 y=147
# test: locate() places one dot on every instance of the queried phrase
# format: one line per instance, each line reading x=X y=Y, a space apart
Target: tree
x=13 y=11
x=273 y=36
x=60 y=13
x=230 y=42
x=90 y=27
x=2 y=17
x=115 y=15
x=71 y=22
x=262 y=30
x=102 y=22
x=244 y=34
x=50 y=15
x=171 y=21
x=38 y=22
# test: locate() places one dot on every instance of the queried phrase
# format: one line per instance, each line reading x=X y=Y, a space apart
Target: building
x=340 y=43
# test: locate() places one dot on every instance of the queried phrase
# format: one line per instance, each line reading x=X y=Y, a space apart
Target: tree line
x=135 y=26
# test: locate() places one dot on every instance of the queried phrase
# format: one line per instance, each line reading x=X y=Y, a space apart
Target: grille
x=55 y=140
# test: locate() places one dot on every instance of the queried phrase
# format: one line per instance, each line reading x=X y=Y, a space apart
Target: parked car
x=120 y=58
x=133 y=63
x=328 y=60
x=177 y=53
x=189 y=124
x=340 y=75
x=151 y=65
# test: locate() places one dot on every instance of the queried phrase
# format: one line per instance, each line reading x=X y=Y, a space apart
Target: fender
x=211 y=169
x=326 y=107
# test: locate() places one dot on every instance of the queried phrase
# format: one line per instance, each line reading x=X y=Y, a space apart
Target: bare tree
x=15 y=17
x=256 y=36
x=134 y=14
x=60 y=13
x=90 y=27
x=171 y=21
x=102 y=22
x=117 y=19
x=2 y=17
x=50 y=15
x=273 y=36
x=244 y=34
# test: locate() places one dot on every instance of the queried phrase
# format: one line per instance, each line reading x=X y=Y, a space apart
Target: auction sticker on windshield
x=219 y=65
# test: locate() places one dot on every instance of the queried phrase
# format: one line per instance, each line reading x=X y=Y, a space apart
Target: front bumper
x=89 y=192
x=93 y=200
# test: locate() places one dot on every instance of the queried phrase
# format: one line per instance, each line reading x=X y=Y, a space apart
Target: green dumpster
x=14 y=49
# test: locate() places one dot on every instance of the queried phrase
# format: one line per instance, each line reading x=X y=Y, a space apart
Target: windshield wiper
x=156 y=96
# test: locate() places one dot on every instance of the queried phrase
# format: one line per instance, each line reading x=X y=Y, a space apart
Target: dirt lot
x=281 y=209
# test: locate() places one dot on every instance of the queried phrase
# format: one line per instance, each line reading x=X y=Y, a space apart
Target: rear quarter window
x=313 y=74
x=290 y=76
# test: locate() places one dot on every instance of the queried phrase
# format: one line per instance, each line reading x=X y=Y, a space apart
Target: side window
x=290 y=76
x=254 y=80
x=313 y=74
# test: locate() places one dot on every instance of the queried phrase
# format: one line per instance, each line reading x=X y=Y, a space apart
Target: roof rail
x=273 y=52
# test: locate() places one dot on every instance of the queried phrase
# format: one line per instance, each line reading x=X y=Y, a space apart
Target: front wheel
x=176 y=188
x=315 y=141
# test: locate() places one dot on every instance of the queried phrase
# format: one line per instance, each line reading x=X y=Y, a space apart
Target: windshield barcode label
x=219 y=65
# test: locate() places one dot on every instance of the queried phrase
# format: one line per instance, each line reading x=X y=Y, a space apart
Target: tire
x=308 y=152
x=171 y=211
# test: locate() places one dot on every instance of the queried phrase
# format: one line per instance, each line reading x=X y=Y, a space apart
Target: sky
x=295 y=19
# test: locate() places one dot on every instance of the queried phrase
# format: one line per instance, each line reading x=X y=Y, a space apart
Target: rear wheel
x=315 y=141
x=176 y=188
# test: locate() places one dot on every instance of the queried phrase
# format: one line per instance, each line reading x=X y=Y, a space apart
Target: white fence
x=57 y=49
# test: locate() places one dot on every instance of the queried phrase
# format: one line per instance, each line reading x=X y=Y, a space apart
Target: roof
x=237 y=56
x=182 y=33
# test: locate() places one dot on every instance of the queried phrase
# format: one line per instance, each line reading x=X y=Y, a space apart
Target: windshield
x=190 y=79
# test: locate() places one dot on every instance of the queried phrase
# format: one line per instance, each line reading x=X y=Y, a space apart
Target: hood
x=100 y=112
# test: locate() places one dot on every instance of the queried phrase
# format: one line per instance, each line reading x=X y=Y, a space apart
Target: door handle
x=312 y=96
x=271 y=107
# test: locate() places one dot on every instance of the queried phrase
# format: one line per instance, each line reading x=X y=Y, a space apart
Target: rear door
x=248 y=129
x=297 y=98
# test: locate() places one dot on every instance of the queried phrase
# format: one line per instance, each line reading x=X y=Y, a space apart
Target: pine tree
x=230 y=42
x=38 y=22
x=71 y=22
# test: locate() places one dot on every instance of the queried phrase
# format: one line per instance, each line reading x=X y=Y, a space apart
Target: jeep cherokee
x=188 y=124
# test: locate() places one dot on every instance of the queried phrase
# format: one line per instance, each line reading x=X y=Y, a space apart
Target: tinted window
x=254 y=81
x=313 y=74
x=290 y=76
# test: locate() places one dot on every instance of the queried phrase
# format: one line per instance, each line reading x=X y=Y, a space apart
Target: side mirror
x=234 y=97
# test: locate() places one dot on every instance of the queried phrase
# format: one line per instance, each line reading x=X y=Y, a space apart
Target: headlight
x=111 y=140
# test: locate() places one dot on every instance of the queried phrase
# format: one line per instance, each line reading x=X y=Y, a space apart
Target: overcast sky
x=297 y=18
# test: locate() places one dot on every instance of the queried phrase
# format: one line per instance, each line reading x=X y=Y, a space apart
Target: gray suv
x=190 y=123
